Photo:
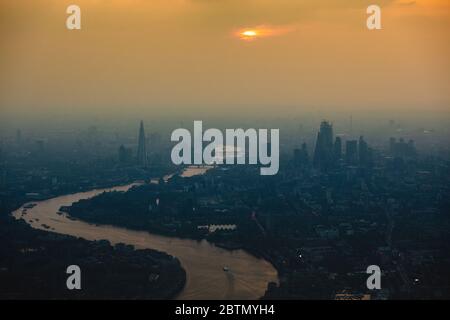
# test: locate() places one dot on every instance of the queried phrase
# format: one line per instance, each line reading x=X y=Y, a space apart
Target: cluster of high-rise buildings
x=401 y=148
x=329 y=151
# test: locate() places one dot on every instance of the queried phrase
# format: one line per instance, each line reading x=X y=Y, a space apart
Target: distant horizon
x=374 y=118
x=194 y=58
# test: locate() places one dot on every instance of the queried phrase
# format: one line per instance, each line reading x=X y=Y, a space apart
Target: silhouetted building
x=142 y=150
x=337 y=149
x=363 y=151
x=351 y=152
x=402 y=148
x=323 y=153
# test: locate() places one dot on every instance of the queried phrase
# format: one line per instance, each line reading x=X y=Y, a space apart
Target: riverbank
x=33 y=265
x=30 y=240
x=109 y=208
x=202 y=261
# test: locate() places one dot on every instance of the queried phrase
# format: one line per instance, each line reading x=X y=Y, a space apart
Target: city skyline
x=260 y=151
x=317 y=225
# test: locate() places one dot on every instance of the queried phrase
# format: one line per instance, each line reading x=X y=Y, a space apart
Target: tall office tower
x=142 y=152
x=323 y=153
x=337 y=148
x=351 y=152
x=401 y=148
x=363 y=151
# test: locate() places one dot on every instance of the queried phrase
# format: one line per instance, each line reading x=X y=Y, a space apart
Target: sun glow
x=249 y=33
x=261 y=32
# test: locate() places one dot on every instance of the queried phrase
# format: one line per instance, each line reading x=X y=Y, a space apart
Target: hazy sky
x=163 y=57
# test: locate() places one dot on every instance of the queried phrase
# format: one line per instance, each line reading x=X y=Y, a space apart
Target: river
x=247 y=277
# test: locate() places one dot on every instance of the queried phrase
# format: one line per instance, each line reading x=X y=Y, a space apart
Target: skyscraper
x=338 y=149
x=351 y=152
x=363 y=150
x=323 y=153
x=142 y=151
x=402 y=148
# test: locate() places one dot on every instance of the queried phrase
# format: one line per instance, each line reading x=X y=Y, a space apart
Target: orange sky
x=186 y=56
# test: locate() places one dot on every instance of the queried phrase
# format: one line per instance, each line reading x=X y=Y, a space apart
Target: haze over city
x=188 y=58
x=135 y=159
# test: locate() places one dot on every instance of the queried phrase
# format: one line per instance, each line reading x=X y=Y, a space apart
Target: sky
x=221 y=57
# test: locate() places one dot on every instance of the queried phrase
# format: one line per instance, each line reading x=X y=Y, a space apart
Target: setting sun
x=249 y=33
x=262 y=31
